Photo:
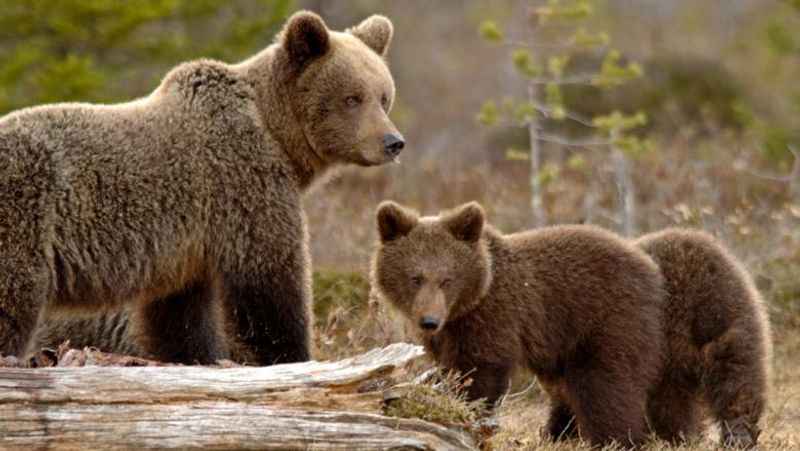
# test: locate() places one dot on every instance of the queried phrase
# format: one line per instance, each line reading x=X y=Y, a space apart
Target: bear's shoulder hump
x=207 y=80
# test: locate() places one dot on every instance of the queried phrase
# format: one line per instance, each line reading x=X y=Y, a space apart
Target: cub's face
x=344 y=90
x=433 y=269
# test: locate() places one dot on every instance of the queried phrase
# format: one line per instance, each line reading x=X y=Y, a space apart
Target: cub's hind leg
x=674 y=412
x=735 y=386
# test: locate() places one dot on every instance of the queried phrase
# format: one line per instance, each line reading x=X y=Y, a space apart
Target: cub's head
x=433 y=269
x=342 y=90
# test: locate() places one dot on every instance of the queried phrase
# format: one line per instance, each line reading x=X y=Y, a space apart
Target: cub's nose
x=393 y=143
x=428 y=323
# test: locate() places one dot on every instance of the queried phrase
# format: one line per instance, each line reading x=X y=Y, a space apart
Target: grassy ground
x=350 y=320
x=521 y=418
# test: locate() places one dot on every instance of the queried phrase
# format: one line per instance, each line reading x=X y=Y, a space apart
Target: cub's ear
x=375 y=31
x=465 y=222
x=394 y=221
x=305 y=37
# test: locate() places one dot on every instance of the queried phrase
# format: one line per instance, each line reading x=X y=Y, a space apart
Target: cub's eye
x=353 y=101
x=445 y=283
x=385 y=101
x=417 y=280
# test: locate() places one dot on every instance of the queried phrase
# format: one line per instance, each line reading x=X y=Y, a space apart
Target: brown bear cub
x=579 y=306
x=718 y=341
x=186 y=205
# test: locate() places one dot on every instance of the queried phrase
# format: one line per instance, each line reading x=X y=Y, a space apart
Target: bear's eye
x=353 y=101
x=417 y=280
x=445 y=283
x=385 y=101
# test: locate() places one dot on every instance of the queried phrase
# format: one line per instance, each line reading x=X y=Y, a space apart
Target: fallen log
x=310 y=405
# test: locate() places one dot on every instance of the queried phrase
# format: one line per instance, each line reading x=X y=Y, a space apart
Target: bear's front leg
x=269 y=310
x=489 y=381
x=23 y=290
x=560 y=422
x=25 y=278
x=185 y=327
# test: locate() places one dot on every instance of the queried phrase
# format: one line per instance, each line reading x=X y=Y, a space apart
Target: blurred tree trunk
x=537 y=206
x=625 y=192
x=794 y=177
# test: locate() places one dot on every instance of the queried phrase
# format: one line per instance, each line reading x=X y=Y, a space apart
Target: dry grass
x=520 y=419
x=440 y=398
x=352 y=321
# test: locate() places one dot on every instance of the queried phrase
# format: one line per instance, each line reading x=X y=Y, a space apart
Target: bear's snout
x=429 y=323
x=393 y=143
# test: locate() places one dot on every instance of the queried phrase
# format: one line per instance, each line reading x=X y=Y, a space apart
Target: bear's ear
x=305 y=37
x=394 y=221
x=375 y=31
x=465 y=222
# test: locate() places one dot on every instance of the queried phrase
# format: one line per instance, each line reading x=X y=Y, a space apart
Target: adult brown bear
x=185 y=205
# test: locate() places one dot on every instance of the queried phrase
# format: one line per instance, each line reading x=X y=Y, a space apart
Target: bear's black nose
x=393 y=144
x=428 y=323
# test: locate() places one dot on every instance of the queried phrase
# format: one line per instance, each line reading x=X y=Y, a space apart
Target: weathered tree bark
x=311 y=405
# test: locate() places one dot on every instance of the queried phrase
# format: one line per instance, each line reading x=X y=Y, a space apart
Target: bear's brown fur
x=579 y=306
x=718 y=339
x=186 y=204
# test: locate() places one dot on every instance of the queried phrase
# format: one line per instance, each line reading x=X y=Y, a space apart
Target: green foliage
x=577 y=162
x=780 y=40
x=785 y=285
x=618 y=122
x=779 y=131
x=614 y=74
x=523 y=112
x=583 y=38
x=555 y=101
x=557 y=10
x=517 y=155
x=488 y=115
x=524 y=63
x=490 y=31
x=633 y=146
x=102 y=50
x=548 y=174
x=549 y=70
x=700 y=91
x=556 y=65
x=775 y=139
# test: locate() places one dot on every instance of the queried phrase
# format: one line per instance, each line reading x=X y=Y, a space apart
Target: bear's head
x=433 y=269
x=341 y=89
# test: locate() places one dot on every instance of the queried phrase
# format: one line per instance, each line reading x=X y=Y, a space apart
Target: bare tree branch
x=585 y=143
x=578 y=79
x=545 y=110
x=547 y=45
x=794 y=174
